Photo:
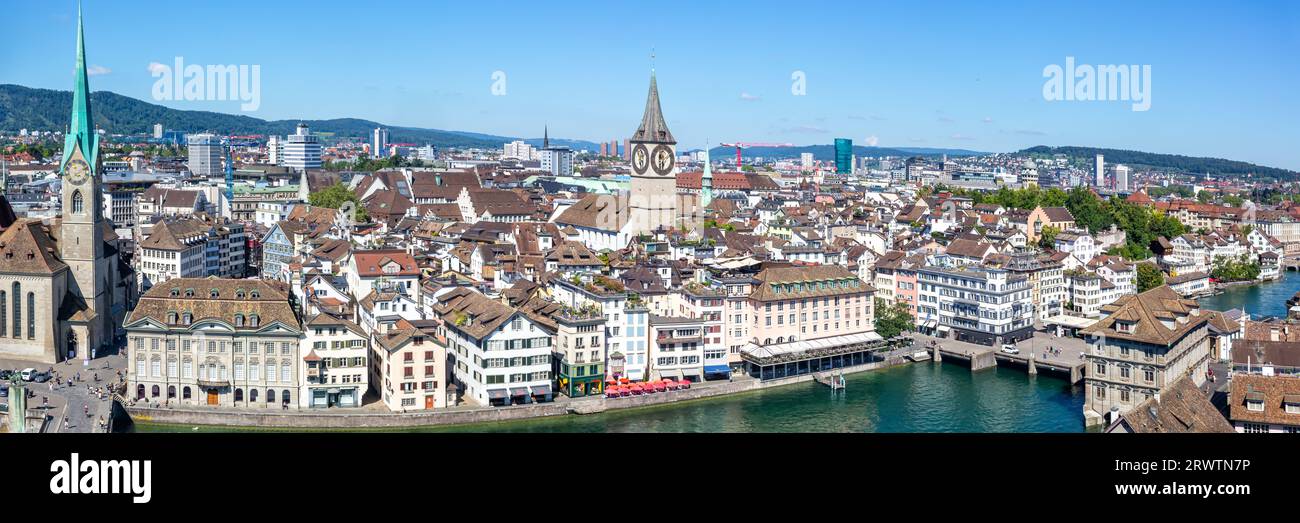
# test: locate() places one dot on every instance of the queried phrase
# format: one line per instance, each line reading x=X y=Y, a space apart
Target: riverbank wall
x=362 y=419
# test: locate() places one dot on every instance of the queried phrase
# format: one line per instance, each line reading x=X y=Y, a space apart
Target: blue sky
x=920 y=74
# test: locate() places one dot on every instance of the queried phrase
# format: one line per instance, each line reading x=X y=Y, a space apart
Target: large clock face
x=77 y=172
x=640 y=159
x=664 y=160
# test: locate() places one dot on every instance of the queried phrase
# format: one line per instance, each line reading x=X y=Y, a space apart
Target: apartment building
x=409 y=367
x=335 y=363
x=676 y=348
x=498 y=355
x=974 y=304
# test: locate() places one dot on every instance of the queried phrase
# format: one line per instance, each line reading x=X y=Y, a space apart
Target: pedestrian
x=65 y=423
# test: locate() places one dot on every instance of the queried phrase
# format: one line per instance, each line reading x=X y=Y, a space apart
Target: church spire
x=706 y=179
x=653 y=127
x=546 y=137
x=81 y=129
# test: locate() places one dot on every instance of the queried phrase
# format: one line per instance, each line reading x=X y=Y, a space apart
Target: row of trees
x=1239 y=269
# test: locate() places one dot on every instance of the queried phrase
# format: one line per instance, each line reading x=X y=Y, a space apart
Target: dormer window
x=175 y=293
x=189 y=293
x=254 y=320
x=187 y=318
x=1291 y=403
x=1126 y=327
x=214 y=294
x=256 y=294
x=239 y=294
x=171 y=318
x=239 y=320
x=1255 y=401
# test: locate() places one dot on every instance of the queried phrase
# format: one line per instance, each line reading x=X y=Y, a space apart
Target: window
x=1255 y=405
x=78 y=203
x=1254 y=428
x=18 y=311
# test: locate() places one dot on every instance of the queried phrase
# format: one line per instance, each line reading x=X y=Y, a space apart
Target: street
x=67 y=405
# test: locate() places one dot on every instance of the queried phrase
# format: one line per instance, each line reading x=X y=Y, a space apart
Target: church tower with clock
x=81 y=243
x=653 y=201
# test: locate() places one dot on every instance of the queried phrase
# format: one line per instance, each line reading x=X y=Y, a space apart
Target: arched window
x=18 y=310
x=239 y=395
x=155 y=391
x=171 y=318
x=252 y=395
x=78 y=203
x=31 y=315
x=214 y=294
x=171 y=391
x=139 y=392
x=239 y=320
x=185 y=393
x=256 y=294
x=239 y=294
x=4 y=314
x=187 y=318
x=270 y=395
x=254 y=320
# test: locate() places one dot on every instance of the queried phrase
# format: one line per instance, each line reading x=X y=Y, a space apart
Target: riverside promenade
x=362 y=418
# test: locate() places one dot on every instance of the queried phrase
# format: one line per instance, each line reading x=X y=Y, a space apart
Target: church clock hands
x=663 y=160
x=640 y=159
x=77 y=171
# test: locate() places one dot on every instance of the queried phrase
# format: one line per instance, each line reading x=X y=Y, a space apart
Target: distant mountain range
x=1172 y=162
x=827 y=152
x=46 y=109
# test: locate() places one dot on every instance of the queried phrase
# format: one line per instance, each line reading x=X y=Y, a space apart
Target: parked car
x=41 y=377
x=29 y=374
x=1010 y=349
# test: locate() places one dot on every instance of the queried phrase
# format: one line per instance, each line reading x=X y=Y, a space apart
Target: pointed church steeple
x=81 y=130
x=653 y=127
x=546 y=137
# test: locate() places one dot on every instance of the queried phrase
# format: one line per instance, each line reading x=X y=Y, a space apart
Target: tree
x=1149 y=276
x=1233 y=200
x=1204 y=197
x=335 y=196
x=1048 y=238
x=892 y=320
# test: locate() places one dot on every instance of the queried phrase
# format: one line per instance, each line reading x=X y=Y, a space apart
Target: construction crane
x=741 y=146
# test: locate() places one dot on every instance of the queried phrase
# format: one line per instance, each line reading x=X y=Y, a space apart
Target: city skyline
x=956 y=78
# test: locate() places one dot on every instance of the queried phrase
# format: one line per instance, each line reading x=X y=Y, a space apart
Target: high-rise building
x=205 y=155
x=627 y=149
x=843 y=155
x=604 y=149
x=519 y=149
x=274 y=151
x=1121 y=177
x=1100 y=170
x=157 y=131
x=613 y=148
x=379 y=143
x=302 y=150
x=806 y=161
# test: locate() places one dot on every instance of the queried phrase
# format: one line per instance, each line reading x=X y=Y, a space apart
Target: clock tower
x=653 y=152
x=81 y=241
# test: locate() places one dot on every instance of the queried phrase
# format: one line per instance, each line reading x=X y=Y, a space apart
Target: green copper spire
x=81 y=131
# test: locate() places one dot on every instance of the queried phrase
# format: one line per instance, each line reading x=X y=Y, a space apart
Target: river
x=1265 y=299
x=922 y=397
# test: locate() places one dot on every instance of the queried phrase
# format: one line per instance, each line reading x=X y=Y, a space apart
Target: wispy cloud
x=750 y=97
x=97 y=70
x=871 y=141
x=988 y=119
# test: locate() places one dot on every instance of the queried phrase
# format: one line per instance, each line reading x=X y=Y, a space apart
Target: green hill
x=46 y=109
x=1170 y=162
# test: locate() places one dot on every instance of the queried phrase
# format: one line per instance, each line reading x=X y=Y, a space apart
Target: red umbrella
x=686 y=383
x=660 y=386
x=623 y=381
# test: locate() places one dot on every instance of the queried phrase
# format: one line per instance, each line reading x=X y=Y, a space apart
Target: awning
x=717 y=369
x=519 y=391
x=943 y=328
x=497 y=394
x=541 y=390
x=930 y=324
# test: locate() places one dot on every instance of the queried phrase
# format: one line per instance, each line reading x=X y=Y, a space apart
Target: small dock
x=834 y=381
x=1066 y=362
x=918 y=356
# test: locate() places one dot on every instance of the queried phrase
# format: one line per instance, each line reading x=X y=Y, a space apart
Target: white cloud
x=750 y=97
x=871 y=141
x=988 y=119
x=97 y=70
